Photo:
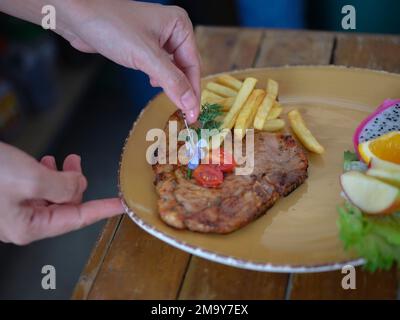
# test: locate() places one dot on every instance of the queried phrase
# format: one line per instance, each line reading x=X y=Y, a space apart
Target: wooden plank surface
x=208 y=280
x=96 y=259
x=289 y=47
x=327 y=285
x=224 y=49
x=139 y=266
x=373 y=52
x=366 y=51
x=127 y=263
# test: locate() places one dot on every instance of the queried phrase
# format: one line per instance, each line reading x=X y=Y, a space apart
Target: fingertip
x=96 y=210
x=154 y=83
x=72 y=163
x=190 y=105
x=72 y=158
x=115 y=205
x=46 y=158
x=192 y=115
x=188 y=100
x=49 y=162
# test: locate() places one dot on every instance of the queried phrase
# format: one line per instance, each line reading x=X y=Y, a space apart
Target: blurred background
x=55 y=100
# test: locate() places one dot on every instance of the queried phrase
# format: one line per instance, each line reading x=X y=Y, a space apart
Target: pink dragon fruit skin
x=384 y=119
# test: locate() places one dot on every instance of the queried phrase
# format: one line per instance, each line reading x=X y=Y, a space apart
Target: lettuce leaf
x=376 y=239
x=351 y=162
x=349 y=156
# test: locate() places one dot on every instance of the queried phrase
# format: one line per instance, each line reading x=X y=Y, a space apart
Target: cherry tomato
x=228 y=165
x=208 y=175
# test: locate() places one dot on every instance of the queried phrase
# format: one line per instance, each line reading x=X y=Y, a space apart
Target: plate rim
x=221 y=258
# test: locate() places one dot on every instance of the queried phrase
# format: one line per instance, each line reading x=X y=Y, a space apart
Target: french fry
x=243 y=94
x=263 y=111
x=226 y=103
x=267 y=104
x=221 y=90
x=303 y=133
x=229 y=121
x=275 y=111
x=274 y=125
x=221 y=117
x=272 y=88
x=246 y=115
x=208 y=96
x=229 y=81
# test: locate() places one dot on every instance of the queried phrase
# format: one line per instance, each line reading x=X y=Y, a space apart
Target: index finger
x=187 y=59
x=59 y=219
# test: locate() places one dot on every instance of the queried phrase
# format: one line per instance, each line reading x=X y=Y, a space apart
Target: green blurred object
x=372 y=16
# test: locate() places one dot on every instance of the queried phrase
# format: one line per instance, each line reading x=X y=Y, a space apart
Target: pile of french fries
x=248 y=107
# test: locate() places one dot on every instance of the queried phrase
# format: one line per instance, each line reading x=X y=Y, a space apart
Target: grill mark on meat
x=280 y=167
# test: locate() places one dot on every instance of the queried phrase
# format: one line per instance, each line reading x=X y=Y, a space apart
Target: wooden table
x=128 y=263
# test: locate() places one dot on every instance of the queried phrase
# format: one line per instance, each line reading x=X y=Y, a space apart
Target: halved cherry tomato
x=208 y=175
x=227 y=165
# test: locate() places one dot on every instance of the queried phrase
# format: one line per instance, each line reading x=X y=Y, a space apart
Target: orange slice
x=386 y=147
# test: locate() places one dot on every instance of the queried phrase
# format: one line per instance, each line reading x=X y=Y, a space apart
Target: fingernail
x=52 y=161
x=188 y=100
x=191 y=116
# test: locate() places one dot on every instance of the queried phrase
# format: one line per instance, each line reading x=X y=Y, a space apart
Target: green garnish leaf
x=189 y=173
x=207 y=119
x=208 y=114
x=376 y=239
x=348 y=158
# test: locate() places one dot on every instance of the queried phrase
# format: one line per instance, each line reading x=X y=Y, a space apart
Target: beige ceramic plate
x=299 y=233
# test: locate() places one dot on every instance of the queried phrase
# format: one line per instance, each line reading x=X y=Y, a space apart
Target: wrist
x=70 y=15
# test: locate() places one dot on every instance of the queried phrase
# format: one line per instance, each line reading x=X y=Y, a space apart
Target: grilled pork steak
x=280 y=167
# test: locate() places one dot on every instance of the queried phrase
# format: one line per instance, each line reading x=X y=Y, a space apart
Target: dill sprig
x=208 y=114
x=207 y=118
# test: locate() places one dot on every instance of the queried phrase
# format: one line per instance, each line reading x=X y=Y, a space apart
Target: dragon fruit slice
x=384 y=119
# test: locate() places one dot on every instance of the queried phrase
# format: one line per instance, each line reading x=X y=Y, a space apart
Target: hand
x=37 y=201
x=155 y=39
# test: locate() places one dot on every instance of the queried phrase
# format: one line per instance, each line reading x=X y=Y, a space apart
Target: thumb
x=59 y=187
x=175 y=84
